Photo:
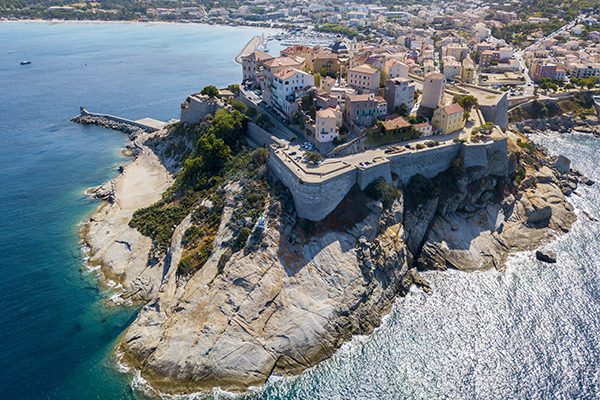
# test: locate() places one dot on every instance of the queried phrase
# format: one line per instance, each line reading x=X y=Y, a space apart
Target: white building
x=395 y=69
x=285 y=85
x=452 y=67
x=399 y=92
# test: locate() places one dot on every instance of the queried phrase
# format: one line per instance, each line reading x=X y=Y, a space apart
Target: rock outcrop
x=276 y=310
x=290 y=301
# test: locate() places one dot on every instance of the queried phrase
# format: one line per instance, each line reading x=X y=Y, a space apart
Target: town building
x=395 y=69
x=251 y=63
x=457 y=51
x=399 y=92
x=327 y=124
x=448 y=119
x=433 y=90
x=542 y=69
x=424 y=128
x=488 y=57
x=361 y=109
x=286 y=84
x=468 y=70
x=272 y=66
x=428 y=66
x=452 y=67
x=364 y=78
x=584 y=70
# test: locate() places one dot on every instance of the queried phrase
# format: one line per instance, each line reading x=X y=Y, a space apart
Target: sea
x=530 y=332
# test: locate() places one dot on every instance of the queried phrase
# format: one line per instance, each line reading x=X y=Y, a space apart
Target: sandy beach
x=121 y=252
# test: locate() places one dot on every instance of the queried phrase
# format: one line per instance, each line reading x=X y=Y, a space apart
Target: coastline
x=119 y=253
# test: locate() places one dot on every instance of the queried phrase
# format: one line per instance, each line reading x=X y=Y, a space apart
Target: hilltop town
x=283 y=214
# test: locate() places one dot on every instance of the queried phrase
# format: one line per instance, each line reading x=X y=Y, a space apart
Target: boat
x=25 y=62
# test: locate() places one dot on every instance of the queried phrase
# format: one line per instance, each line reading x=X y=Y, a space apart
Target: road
x=529 y=86
x=279 y=129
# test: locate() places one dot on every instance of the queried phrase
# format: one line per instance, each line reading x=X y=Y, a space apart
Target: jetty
x=125 y=125
x=251 y=46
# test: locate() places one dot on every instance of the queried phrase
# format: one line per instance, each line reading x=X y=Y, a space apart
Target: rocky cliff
x=297 y=290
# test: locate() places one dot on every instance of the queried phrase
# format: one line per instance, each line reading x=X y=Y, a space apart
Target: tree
x=234 y=87
x=402 y=110
x=467 y=101
x=314 y=157
x=227 y=125
x=210 y=91
x=260 y=156
x=317 y=79
x=214 y=152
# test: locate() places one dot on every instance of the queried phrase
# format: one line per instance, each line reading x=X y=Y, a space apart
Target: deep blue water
x=531 y=332
x=56 y=332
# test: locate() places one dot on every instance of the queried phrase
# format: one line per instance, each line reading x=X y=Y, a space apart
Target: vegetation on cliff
x=218 y=140
x=218 y=158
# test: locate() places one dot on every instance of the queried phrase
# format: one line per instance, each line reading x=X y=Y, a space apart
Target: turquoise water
x=56 y=332
x=530 y=332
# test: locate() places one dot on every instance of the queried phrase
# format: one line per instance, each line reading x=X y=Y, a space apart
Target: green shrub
x=379 y=189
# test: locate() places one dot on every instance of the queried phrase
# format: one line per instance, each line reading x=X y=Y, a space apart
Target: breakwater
x=130 y=127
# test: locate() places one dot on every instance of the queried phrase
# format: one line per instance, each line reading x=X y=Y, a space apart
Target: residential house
x=448 y=119
x=424 y=128
x=327 y=124
x=457 y=51
x=286 y=84
x=271 y=67
x=364 y=78
x=395 y=69
x=251 y=63
x=361 y=109
x=452 y=67
x=488 y=57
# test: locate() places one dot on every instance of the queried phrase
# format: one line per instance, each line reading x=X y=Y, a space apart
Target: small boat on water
x=25 y=62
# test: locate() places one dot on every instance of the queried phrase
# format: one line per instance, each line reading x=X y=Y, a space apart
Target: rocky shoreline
x=288 y=305
x=562 y=124
x=118 y=252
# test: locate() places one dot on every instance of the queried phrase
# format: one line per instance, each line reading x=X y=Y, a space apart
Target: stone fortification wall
x=314 y=201
x=197 y=107
x=427 y=162
x=366 y=175
x=260 y=137
x=497 y=113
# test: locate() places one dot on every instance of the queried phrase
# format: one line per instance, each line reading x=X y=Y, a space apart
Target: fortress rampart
x=318 y=190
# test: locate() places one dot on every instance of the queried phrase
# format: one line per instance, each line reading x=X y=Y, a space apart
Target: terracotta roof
x=379 y=99
x=324 y=54
x=422 y=125
x=258 y=55
x=365 y=69
x=286 y=73
x=326 y=113
x=395 y=123
x=283 y=62
x=360 y=97
x=453 y=108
